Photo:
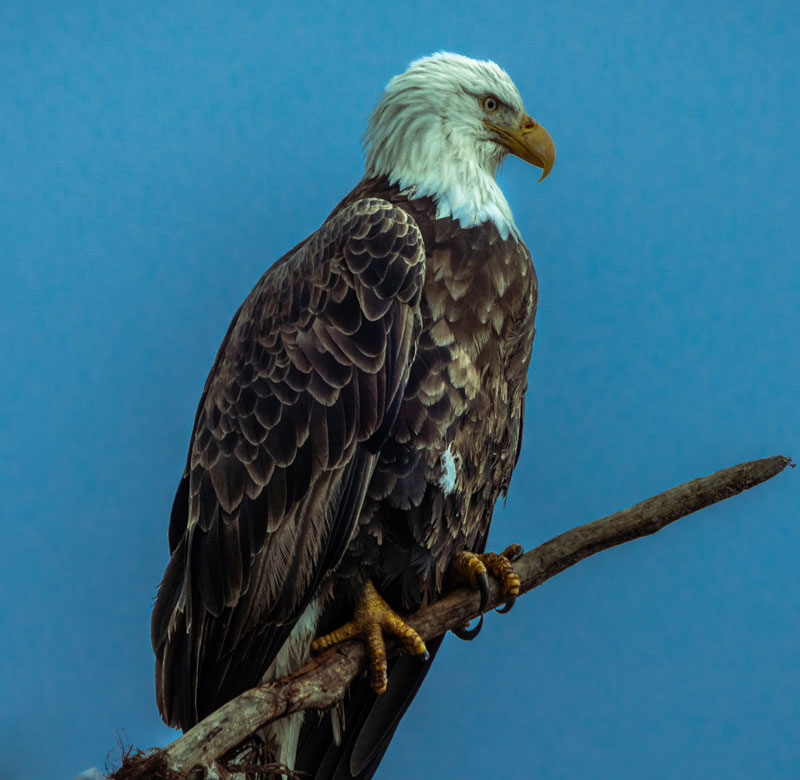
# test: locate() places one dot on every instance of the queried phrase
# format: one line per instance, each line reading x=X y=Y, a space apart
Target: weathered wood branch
x=324 y=680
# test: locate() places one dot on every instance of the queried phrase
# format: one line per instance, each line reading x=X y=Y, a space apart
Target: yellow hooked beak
x=530 y=141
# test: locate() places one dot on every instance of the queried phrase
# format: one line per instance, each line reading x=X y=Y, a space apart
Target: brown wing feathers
x=464 y=393
x=302 y=396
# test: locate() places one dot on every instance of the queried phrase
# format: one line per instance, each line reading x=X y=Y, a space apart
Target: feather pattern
x=464 y=397
x=302 y=394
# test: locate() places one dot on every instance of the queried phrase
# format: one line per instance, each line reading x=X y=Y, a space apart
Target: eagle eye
x=490 y=103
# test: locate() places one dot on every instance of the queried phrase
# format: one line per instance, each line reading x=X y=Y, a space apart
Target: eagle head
x=443 y=128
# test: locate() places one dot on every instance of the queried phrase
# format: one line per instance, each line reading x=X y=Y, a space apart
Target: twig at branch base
x=324 y=680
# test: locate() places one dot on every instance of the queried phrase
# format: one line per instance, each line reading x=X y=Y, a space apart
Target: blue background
x=155 y=158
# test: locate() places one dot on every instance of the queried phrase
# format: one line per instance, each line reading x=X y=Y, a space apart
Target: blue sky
x=155 y=158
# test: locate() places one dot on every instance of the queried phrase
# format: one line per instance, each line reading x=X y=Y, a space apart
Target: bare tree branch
x=324 y=680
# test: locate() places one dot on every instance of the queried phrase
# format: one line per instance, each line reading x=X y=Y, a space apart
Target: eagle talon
x=372 y=617
x=482 y=583
x=513 y=552
x=507 y=606
x=468 y=634
x=500 y=566
x=472 y=569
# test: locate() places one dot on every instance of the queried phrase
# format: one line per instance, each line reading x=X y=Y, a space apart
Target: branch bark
x=324 y=680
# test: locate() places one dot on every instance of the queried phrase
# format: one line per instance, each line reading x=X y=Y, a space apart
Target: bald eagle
x=362 y=417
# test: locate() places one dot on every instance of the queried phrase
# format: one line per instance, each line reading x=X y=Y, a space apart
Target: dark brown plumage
x=466 y=392
x=301 y=399
x=362 y=417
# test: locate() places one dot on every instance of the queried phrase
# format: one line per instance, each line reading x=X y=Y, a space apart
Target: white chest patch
x=447 y=482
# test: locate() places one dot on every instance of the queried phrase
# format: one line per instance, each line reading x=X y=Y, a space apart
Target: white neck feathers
x=426 y=137
x=461 y=189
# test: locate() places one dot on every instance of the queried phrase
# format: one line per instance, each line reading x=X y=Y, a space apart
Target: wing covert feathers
x=298 y=404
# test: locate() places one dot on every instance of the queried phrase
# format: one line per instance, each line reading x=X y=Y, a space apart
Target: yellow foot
x=372 y=617
x=472 y=570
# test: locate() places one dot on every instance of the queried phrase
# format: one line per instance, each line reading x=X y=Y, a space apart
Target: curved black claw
x=482 y=583
x=468 y=634
x=513 y=552
x=426 y=656
x=507 y=606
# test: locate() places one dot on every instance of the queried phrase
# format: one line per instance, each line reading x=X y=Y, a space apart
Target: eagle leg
x=472 y=570
x=372 y=617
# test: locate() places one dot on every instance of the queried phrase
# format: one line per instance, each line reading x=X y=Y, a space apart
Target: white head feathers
x=427 y=135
